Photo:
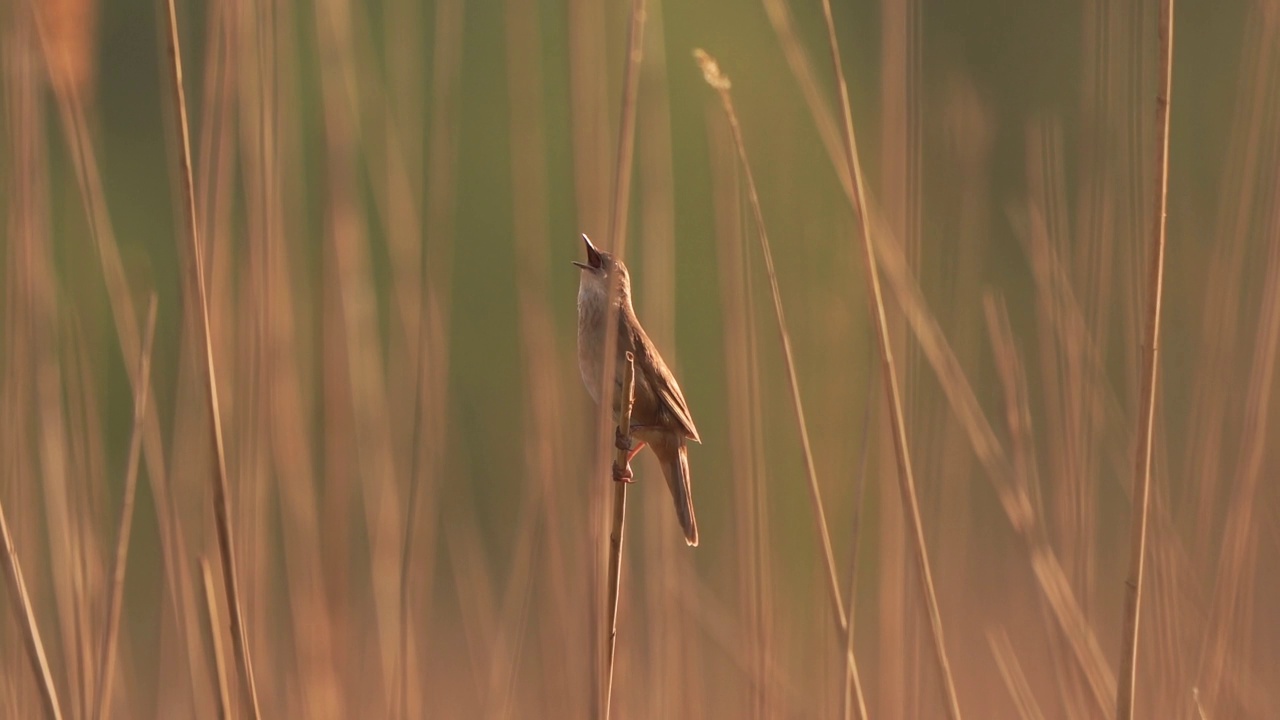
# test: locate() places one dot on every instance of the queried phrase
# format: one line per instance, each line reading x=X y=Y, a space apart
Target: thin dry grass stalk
x=27 y=298
x=744 y=420
x=219 y=658
x=221 y=499
x=1147 y=407
x=618 y=526
x=107 y=664
x=410 y=523
x=1012 y=674
x=906 y=478
x=1017 y=495
x=860 y=486
x=27 y=618
x=720 y=82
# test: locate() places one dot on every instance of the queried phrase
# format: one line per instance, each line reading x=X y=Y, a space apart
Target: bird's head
x=600 y=269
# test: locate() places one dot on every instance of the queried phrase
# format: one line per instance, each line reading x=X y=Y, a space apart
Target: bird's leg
x=627 y=445
x=623 y=473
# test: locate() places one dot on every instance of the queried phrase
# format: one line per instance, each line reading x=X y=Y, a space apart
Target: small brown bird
x=660 y=417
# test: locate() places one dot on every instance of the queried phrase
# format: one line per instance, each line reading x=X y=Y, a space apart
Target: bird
x=660 y=418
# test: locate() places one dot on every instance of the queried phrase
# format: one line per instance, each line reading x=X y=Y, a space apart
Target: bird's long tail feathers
x=675 y=467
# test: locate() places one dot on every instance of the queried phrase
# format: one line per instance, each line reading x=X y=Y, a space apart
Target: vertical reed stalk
x=720 y=82
x=26 y=616
x=618 y=526
x=618 y=240
x=851 y=691
x=1147 y=406
x=106 y=665
x=221 y=499
x=906 y=477
x=219 y=658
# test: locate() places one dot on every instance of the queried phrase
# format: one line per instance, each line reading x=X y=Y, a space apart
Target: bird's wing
x=632 y=337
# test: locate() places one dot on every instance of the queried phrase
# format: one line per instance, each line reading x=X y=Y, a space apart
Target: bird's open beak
x=593 y=256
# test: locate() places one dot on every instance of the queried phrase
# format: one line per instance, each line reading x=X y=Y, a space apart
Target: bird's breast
x=591 y=340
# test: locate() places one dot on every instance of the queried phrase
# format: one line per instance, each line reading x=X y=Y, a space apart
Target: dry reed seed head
x=711 y=70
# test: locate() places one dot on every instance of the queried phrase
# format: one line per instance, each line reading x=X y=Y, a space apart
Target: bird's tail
x=675 y=467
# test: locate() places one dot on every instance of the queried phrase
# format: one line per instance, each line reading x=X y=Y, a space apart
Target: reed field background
x=388 y=196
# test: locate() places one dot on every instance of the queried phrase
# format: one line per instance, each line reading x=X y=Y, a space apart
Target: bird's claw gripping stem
x=620 y=442
x=622 y=474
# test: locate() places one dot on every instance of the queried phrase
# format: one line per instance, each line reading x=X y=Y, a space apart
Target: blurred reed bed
x=388 y=196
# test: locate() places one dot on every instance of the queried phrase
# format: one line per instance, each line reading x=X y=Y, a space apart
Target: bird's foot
x=622 y=473
x=620 y=442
